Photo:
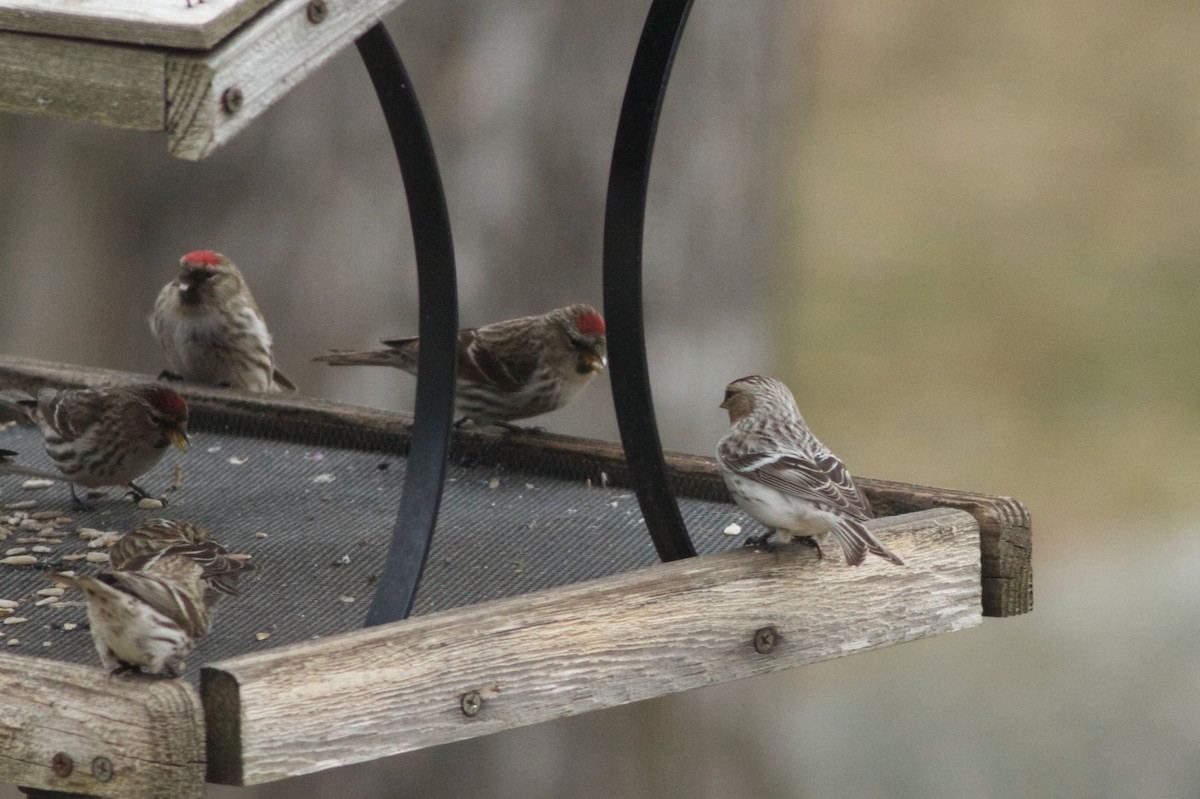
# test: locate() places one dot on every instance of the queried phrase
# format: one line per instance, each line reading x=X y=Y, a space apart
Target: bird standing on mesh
x=221 y=569
x=513 y=369
x=211 y=329
x=779 y=473
x=105 y=436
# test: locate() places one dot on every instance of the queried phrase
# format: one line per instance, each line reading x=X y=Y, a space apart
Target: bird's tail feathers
x=19 y=402
x=856 y=541
x=365 y=358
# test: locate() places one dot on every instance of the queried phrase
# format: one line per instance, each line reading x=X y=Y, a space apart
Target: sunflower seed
x=55 y=591
x=14 y=620
x=19 y=560
x=16 y=551
x=50 y=600
x=24 y=504
x=97 y=557
x=74 y=557
x=36 y=484
x=69 y=625
x=46 y=514
x=8 y=603
x=732 y=529
x=261 y=636
x=150 y=503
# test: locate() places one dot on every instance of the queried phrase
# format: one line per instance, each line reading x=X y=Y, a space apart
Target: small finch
x=220 y=569
x=513 y=369
x=211 y=329
x=779 y=473
x=107 y=436
x=148 y=617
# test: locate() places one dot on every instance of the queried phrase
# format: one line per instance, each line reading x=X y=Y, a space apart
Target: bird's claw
x=167 y=374
x=760 y=541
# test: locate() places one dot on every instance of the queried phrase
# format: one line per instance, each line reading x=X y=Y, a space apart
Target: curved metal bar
x=438 y=294
x=624 y=221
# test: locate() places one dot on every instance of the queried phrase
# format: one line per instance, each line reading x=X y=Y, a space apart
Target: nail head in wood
x=102 y=769
x=62 y=764
x=471 y=703
x=765 y=639
x=231 y=100
x=316 y=11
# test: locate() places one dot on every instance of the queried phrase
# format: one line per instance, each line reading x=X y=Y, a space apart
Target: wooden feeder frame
x=201 y=74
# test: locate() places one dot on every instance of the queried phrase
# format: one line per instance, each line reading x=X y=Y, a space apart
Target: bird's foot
x=137 y=494
x=812 y=542
x=167 y=374
x=79 y=504
x=761 y=542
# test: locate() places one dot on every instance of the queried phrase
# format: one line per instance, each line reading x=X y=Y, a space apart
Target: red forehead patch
x=201 y=258
x=164 y=400
x=590 y=324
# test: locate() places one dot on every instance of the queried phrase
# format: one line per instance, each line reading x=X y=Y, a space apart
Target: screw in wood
x=231 y=100
x=316 y=11
x=765 y=639
x=62 y=764
x=471 y=703
x=102 y=769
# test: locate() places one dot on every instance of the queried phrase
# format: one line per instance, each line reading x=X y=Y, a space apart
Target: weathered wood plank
x=147 y=733
x=87 y=81
x=261 y=64
x=199 y=25
x=591 y=645
x=1004 y=522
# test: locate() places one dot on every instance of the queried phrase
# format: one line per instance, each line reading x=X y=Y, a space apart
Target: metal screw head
x=765 y=639
x=471 y=703
x=316 y=11
x=62 y=764
x=231 y=100
x=102 y=769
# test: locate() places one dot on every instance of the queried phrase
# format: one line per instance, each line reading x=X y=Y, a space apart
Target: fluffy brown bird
x=107 y=436
x=513 y=369
x=211 y=329
x=779 y=473
x=220 y=568
x=147 y=617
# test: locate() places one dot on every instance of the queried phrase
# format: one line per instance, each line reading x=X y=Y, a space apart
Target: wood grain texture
x=150 y=730
x=596 y=644
x=263 y=62
x=85 y=81
x=1007 y=543
x=165 y=24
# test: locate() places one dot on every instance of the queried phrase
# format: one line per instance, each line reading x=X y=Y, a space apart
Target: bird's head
x=169 y=413
x=747 y=394
x=585 y=332
x=207 y=277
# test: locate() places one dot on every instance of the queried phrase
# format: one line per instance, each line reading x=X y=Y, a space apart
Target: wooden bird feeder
x=574 y=613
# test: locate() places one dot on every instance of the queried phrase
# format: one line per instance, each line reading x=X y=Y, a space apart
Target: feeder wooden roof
x=201 y=73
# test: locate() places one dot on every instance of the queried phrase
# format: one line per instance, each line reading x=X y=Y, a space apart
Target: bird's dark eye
x=579 y=344
x=728 y=394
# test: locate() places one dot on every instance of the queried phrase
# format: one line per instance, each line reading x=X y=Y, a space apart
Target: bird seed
x=19 y=560
x=150 y=503
x=36 y=484
x=14 y=620
x=97 y=557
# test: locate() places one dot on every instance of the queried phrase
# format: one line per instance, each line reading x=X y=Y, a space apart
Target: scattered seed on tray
x=732 y=529
x=53 y=591
x=261 y=636
x=97 y=557
x=8 y=603
x=14 y=620
x=50 y=600
x=150 y=503
x=36 y=484
x=24 y=504
x=69 y=625
x=19 y=560
x=237 y=460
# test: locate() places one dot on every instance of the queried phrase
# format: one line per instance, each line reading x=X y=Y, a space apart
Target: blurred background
x=964 y=233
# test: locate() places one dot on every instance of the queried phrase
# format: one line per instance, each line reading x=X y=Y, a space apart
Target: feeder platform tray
x=542 y=597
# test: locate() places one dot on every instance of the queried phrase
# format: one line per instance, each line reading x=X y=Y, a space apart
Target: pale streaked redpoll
x=107 y=436
x=148 y=617
x=211 y=329
x=779 y=473
x=221 y=569
x=513 y=369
